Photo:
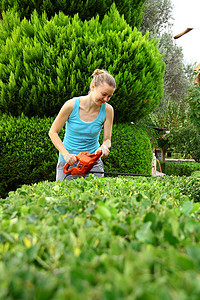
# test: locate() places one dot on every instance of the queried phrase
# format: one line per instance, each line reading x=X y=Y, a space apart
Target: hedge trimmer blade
x=182 y=33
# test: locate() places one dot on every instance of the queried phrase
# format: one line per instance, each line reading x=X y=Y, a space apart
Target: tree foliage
x=157 y=15
x=194 y=103
x=131 y=9
x=170 y=118
x=45 y=62
x=174 y=112
x=186 y=140
x=157 y=20
x=183 y=136
x=175 y=80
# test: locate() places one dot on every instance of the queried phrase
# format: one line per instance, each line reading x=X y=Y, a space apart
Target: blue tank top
x=82 y=136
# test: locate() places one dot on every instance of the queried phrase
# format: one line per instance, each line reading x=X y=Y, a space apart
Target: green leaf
x=61 y=209
x=120 y=229
x=151 y=217
x=116 y=248
x=196 y=207
x=194 y=252
x=184 y=262
x=170 y=238
x=144 y=234
x=146 y=203
x=41 y=201
x=32 y=252
x=187 y=207
x=32 y=218
x=103 y=211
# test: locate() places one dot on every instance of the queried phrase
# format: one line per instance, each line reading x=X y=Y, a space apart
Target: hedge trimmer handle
x=66 y=166
x=65 y=169
x=86 y=162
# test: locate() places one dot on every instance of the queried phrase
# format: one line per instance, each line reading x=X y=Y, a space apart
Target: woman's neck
x=88 y=103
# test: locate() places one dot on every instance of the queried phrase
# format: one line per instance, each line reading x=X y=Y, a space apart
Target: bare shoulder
x=109 y=114
x=109 y=108
x=69 y=105
x=67 y=108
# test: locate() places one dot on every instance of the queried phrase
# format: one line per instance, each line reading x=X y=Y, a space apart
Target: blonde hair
x=102 y=76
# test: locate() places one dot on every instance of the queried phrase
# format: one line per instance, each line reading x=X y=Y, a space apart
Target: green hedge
x=190 y=186
x=100 y=238
x=186 y=185
x=28 y=155
x=178 y=169
x=45 y=62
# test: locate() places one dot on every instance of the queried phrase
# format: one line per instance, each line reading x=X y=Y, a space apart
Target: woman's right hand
x=70 y=159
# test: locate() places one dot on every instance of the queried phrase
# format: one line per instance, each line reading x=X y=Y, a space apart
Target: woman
x=84 y=117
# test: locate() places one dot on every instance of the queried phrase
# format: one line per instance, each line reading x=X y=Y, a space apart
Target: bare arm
x=109 y=116
x=57 y=125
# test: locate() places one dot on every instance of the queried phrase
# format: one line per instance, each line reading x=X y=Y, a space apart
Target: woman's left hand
x=105 y=151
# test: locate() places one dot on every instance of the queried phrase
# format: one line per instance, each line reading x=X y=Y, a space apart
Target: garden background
x=108 y=226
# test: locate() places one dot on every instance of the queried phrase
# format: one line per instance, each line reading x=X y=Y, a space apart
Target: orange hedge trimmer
x=85 y=163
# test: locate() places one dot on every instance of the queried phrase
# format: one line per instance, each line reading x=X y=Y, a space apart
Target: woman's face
x=102 y=93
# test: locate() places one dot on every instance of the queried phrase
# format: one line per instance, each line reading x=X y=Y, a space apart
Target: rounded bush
x=43 y=63
x=130 y=151
x=27 y=154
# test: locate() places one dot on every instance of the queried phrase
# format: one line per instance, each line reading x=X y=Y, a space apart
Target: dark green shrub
x=28 y=155
x=131 y=9
x=130 y=151
x=178 y=169
x=43 y=63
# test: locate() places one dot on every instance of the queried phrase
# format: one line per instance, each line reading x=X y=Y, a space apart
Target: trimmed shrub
x=179 y=169
x=43 y=63
x=99 y=238
x=186 y=185
x=131 y=150
x=190 y=186
x=28 y=155
x=131 y=9
x=196 y=174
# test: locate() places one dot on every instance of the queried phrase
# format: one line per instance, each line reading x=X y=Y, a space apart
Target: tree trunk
x=163 y=151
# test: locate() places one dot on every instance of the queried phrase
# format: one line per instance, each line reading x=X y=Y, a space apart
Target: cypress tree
x=131 y=9
x=45 y=62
